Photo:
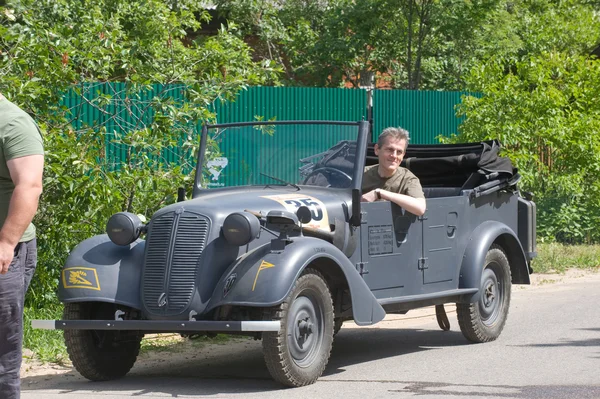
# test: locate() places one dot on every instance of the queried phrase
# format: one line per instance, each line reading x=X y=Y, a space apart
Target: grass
x=48 y=345
x=558 y=258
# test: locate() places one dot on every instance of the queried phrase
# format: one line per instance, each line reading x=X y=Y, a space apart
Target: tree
x=539 y=101
x=150 y=86
x=545 y=113
x=328 y=43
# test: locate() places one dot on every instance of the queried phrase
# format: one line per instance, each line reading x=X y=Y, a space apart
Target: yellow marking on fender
x=80 y=277
x=264 y=265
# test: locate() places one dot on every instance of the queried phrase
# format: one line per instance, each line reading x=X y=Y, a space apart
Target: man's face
x=391 y=153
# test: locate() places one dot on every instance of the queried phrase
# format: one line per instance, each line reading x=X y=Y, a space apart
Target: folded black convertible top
x=464 y=166
x=453 y=165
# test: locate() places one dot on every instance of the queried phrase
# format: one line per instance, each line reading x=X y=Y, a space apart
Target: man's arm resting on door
x=414 y=205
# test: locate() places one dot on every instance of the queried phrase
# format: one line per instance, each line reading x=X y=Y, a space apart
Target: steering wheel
x=330 y=172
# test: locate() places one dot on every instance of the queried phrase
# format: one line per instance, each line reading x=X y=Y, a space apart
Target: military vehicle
x=275 y=243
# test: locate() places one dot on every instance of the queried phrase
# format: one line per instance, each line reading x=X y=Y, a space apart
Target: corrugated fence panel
x=260 y=153
x=112 y=108
x=425 y=114
x=294 y=103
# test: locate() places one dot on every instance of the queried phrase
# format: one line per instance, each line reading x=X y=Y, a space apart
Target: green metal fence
x=294 y=103
x=109 y=108
x=425 y=114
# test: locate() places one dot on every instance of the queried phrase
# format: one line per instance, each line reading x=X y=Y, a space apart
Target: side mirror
x=284 y=221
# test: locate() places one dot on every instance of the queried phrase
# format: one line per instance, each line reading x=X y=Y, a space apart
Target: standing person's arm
x=26 y=174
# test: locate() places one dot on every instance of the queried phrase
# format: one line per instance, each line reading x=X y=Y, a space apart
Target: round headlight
x=123 y=228
x=240 y=228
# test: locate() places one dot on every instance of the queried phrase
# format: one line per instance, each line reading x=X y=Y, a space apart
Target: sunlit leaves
x=546 y=114
x=138 y=87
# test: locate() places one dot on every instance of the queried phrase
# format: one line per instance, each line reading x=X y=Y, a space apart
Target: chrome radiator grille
x=174 y=244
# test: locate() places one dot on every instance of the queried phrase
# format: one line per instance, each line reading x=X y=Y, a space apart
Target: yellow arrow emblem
x=263 y=265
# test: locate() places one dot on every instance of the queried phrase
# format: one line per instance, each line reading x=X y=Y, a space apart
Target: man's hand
x=371 y=196
x=7 y=253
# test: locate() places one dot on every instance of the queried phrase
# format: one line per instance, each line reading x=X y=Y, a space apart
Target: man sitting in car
x=388 y=180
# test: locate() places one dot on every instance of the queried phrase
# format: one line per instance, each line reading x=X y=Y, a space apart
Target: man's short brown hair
x=396 y=133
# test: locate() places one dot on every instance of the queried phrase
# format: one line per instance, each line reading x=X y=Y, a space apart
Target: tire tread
x=274 y=345
x=468 y=316
x=83 y=353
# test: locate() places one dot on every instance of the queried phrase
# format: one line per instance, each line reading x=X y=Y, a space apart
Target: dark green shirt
x=403 y=181
x=19 y=137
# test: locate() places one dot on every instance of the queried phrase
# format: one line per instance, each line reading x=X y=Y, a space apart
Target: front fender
x=481 y=240
x=262 y=278
x=98 y=270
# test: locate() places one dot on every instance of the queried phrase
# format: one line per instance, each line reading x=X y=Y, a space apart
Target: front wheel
x=484 y=320
x=100 y=355
x=298 y=353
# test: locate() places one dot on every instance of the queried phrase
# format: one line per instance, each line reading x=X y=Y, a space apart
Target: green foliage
x=558 y=258
x=528 y=58
x=544 y=112
x=47 y=345
x=540 y=91
x=414 y=44
x=139 y=145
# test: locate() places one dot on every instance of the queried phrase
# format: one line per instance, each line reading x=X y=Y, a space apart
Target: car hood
x=326 y=204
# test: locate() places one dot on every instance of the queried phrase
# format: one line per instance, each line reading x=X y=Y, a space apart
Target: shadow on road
x=585 y=342
x=354 y=346
x=502 y=391
x=200 y=374
x=574 y=343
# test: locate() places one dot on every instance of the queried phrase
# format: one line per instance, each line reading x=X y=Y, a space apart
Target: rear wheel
x=100 y=355
x=298 y=353
x=484 y=320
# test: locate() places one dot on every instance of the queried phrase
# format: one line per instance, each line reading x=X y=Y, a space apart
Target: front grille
x=174 y=244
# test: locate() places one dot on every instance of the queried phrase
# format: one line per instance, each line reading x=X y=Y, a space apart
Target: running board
x=424 y=297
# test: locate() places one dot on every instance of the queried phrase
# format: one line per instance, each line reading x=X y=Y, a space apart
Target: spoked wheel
x=484 y=320
x=298 y=354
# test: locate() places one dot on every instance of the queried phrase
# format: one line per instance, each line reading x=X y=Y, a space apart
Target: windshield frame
x=361 y=143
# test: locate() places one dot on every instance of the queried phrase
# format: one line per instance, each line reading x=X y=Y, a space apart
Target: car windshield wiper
x=281 y=181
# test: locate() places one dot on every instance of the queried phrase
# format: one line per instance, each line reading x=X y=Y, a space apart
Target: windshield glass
x=318 y=155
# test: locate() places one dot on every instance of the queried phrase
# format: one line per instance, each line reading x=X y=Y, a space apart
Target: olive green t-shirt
x=19 y=137
x=403 y=181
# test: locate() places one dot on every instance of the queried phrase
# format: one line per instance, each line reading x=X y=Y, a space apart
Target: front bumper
x=158 y=325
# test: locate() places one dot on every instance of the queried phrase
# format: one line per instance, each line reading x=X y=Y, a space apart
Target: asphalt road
x=550 y=349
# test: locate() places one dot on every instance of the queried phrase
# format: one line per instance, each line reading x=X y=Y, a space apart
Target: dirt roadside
x=187 y=350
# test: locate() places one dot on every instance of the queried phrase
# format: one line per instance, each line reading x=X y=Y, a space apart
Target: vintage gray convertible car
x=281 y=248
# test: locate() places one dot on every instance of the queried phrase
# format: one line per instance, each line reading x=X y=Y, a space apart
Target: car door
x=391 y=246
x=441 y=227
